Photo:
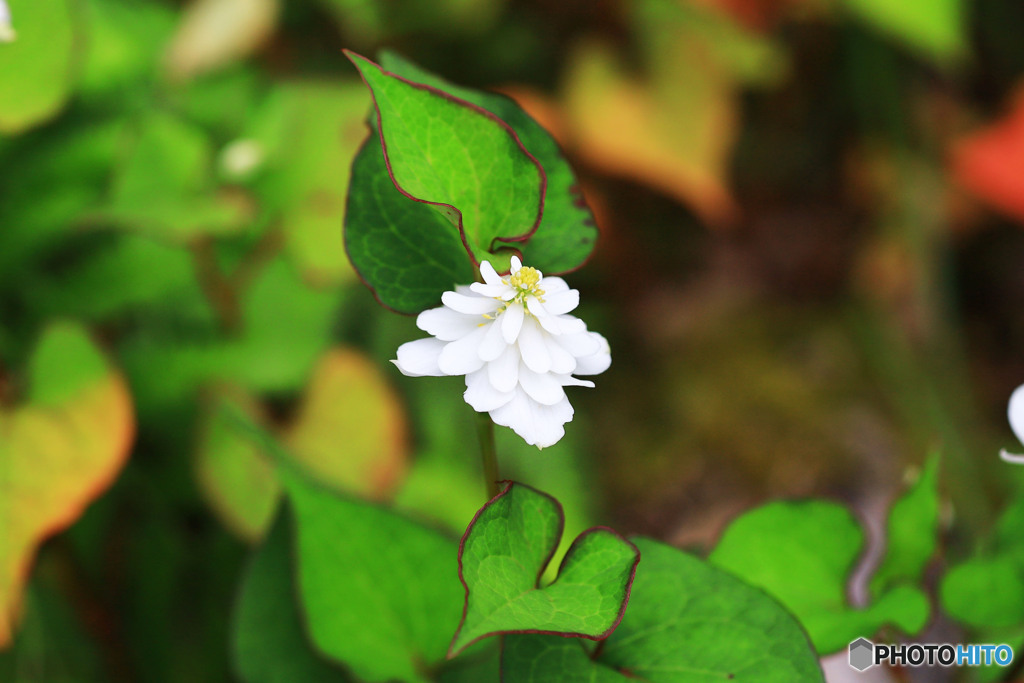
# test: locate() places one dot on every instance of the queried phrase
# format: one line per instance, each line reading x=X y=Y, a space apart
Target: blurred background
x=810 y=273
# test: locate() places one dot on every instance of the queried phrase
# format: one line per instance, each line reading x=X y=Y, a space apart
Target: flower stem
x=489 y=453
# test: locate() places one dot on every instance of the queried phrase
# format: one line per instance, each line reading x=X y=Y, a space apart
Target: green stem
x=485 y=431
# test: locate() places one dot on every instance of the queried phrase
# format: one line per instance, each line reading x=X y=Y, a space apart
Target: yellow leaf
x=672 y=123
x=675 y=141
x=237 y=479
x=351 y=430
x=58 y=452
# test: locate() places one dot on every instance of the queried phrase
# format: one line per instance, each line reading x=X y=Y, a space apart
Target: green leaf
x=36 y=69
x=503 y=556
x=687 y=622
x=462 y=160
x=819 y=542
x=270 y=644
x=125 y=42
x=308 y=134
x=286 y=326
x=987 y=590
x=405 y=252
x=379 y=590
x=236 y=478
x=165 y=186
x=913 y=531
x=69 y=165
x=532 y=658
x=93 y=288
x=567 y=233
x=935 y=28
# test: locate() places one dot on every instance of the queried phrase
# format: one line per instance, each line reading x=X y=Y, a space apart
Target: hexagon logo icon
x=862 y=654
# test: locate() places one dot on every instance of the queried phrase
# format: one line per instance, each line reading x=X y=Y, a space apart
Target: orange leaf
x=58 y=452
x=990 y=162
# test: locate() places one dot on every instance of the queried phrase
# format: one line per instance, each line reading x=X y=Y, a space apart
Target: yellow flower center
x=526 y=281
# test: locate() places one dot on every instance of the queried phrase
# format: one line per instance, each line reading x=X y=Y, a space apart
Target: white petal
x=481 y=394
x=580 y=344
x=544 y=388
x=1011 y=458
x=532 y=347
x=490 y=275
x=553 y=285
x=561 y=302
x=598 y=362
x=537 y=424
x=498 y=290
x=493 y=344
x=562 y=362
x=419 y=358
x=469 y=304
x=503 y=372
x=512 y=322
x=462 y=356
x=516 y=265
x=569 y=381
x=562 y=324
x=1016 y=412
x=536 y=307
x=446 y=324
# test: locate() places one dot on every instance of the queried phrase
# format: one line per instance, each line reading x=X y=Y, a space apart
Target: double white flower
x=517 y=346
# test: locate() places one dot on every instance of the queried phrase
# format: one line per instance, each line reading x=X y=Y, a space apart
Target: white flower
x=1016 y=415
x=7 y=33
x=517 y=346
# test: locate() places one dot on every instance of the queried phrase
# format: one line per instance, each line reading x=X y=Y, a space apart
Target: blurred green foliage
x=801 y=298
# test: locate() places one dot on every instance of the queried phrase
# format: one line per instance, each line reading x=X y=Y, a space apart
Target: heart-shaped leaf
x=37 y=68
x=405 y=252
x=58 y=452
x=567 y=232
x=379 y=590
x=270 y=644
x=687 y=622
x=820 y=542
x=503 y=555
x=458 y=158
